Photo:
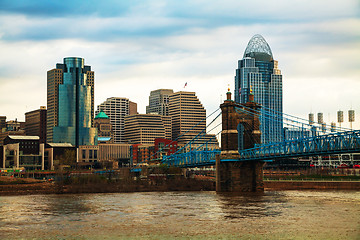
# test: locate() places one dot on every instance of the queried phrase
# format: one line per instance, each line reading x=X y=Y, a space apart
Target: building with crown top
x=258 y=73
x=104 y=127
x=117 y=108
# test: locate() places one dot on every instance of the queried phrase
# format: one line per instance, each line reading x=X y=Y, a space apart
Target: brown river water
x=182 y=215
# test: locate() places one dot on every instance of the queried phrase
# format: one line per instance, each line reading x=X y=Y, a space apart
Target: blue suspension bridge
x=299 y=138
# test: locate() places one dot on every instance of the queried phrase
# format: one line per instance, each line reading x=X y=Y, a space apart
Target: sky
x=135 y=47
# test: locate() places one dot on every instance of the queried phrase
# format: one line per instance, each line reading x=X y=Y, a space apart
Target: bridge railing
x=192 y=158
x=341 y=142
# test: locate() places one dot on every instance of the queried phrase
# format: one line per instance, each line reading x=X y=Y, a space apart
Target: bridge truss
x=336 y=143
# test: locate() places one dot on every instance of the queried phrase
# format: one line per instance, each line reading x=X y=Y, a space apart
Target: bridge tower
x=240 y=130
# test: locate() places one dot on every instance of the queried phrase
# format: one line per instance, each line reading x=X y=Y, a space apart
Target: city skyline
x=136 y=48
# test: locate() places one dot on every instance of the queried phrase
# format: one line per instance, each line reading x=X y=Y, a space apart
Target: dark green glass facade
x=75 y=105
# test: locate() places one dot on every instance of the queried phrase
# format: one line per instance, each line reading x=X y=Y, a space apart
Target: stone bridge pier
x=240 y=130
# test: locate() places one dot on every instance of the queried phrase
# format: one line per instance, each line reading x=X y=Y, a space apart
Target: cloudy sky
x=138 y=46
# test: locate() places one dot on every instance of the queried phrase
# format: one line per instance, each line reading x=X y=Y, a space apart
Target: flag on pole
x=185 y=85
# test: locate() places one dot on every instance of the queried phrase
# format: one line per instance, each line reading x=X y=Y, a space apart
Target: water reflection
x=251 y=205
x=55 y=205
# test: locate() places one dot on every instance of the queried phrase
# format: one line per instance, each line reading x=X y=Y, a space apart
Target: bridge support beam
x=235 y=176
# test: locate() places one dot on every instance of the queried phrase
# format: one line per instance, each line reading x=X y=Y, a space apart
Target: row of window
x=92 y=153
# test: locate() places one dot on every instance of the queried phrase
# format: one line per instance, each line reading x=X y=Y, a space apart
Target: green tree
x=68 y=158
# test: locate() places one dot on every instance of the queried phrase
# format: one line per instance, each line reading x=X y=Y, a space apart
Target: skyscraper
x=145 y=128
x=70 y=100
x=117 y=108
x=258 y=72
x=188 y=118
x=159 y=102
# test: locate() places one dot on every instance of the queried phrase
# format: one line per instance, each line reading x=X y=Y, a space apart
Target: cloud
x=138 y=46
x=113 y=20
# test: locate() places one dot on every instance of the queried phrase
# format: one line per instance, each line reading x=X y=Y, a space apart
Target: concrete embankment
x=29 y=186
x=309 y=185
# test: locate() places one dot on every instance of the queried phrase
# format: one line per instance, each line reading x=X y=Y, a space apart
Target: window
x=83 y=154
x=95 y=154
x=90 y=154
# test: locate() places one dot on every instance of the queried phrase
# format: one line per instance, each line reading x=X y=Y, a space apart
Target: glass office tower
x=258 y=72
x=74 y=109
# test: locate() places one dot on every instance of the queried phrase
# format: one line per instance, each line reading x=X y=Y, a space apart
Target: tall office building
x=35 y=123
x=159 y=102
x=145 y=128
x=188 y=118
x=258 y=72
x=70 y=102
x=117 y=108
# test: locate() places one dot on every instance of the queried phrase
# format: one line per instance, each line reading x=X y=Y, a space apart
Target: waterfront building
x=152 y=153
x=145 y=128
x=142 y=154
x=104 y=127
x=70 y=102
x=116 y=108
x=159 y=102
x=118 y=152
x=35 y=123
x=164 y=147
x=22 y=152
x=258 y=73
x=57 y=154
x=88 y=155
x=188 y=118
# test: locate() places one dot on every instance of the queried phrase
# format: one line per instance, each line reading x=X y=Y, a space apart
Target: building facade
x=188 y=119
x=35 y=123
x=23 y=152
x=104 y=127
x=258 y=73
x=159 y=102
x=117 y=108
x=70 y=100
x=145 y=128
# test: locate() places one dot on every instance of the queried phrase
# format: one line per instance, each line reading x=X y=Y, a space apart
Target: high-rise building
x=117 y=108
x=70 y=103
x=145 y=128
x=159 y=102
x=188 y=118
x=258 y=73
x=35 y=123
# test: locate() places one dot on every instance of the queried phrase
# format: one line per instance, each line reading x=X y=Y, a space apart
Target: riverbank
x=23 y=186
x=278 y=185
x=26 y=186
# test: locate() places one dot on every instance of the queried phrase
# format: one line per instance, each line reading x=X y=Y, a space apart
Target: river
x=182 y=215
